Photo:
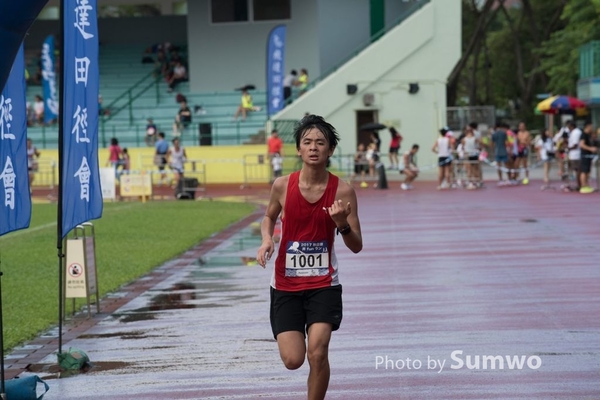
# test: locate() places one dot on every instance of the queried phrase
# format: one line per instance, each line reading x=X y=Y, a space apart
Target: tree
x=500 y=48
x=560 y=53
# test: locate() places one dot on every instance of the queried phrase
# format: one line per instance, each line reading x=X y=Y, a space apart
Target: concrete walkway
x=445 y=278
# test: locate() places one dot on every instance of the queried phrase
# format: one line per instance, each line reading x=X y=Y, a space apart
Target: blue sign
x=49 y=81
x=15 y=200
x=15 y=19
x=81 y=193
x=275 y=69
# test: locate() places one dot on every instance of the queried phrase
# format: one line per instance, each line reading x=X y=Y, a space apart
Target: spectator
x=475 y=126
x=161 y=148
x=410 y=170
x=470 y=146
x=125 y=161
x=151 y=130
x=177 y=158
x=501 y=146
x=361 y=165
x=574 y=152
x=302 y=82
x=115 y=155
x=32 y=164
x=161 y=65
x=394 y=148
x=442 y=147
x=372 y=158
x=277 y=163
x=38 y=109
x=180 y=98
x=245 y=106
x=544 y=146
x=588 y=150
x=523 y=141
x=101 y=109
x=179 y=75
x=183 y=119
x=274 y=144
x=561 y=143
x=288 y=82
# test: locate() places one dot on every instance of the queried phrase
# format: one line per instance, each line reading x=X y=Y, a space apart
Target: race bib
x=304 y=259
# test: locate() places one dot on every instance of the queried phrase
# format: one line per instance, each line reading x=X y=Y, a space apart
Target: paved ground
x=507 y=272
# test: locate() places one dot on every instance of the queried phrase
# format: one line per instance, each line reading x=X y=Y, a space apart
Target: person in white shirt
x=288 y=82
x=544 y=145
x=574 y=151
x=277 y=163
x=38 y=109
x=443 y=149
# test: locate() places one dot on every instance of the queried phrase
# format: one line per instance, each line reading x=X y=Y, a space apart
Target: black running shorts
x=297 y=311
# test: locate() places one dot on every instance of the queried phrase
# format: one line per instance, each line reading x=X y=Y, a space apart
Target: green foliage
x=561 y=52
x=504 y=66
x=131 y=239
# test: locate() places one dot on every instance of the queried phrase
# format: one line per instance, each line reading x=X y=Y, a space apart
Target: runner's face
x=314 y=147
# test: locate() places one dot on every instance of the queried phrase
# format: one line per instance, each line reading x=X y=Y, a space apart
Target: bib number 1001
x=304 y=260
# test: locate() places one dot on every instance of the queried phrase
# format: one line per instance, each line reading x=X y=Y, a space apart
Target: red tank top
x=306 y=259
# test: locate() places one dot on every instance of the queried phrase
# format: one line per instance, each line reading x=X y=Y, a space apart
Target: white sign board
x=75 y=269
x=107 y=183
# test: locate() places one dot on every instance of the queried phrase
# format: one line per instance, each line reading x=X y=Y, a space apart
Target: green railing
x=285 y=128
x=125 y=101
x=412 y=8
x=589 y=60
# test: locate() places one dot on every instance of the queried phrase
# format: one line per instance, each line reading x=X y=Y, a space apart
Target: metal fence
x=459 y=117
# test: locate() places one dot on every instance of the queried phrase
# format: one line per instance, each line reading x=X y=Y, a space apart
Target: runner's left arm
x=344 y=212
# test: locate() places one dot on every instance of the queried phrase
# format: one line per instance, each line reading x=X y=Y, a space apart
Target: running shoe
x=404 y=186
x=526 y=181
x=586 y=190
x=364 y=184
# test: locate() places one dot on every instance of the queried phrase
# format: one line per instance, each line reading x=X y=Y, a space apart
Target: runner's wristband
x=345 y=230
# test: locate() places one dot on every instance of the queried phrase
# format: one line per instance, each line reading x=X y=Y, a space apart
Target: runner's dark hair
x=315 y=121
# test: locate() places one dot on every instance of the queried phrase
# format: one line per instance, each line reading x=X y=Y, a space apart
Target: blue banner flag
x=81 y=193
x=49 y=81
x=275 y=69
x=15 y=203
x=15 y=19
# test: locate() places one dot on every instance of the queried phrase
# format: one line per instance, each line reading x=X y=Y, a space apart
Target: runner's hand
x=339 y=213
x=265 y=251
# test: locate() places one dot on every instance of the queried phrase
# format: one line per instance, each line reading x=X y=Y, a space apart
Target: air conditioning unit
x=368 y=99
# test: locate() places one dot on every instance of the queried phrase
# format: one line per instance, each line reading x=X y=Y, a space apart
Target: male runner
x=523 y=144
x=306 y=295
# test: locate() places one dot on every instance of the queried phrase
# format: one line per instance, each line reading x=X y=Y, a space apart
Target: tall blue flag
x=275 y=69
x=49 y=81
x=15 y=203
x=15 y=19
x=81 y=193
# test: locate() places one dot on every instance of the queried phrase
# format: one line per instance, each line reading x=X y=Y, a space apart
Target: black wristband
x=345 y=230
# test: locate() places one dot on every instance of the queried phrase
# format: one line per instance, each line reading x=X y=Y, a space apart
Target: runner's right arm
x=267 y=226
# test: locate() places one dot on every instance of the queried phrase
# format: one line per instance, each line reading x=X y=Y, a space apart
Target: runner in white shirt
x=574 y=151
x=443 y=149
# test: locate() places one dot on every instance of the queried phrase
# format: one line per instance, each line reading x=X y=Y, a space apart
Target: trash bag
x=74 y=359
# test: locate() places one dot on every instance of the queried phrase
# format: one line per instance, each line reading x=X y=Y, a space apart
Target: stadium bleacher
x=132 y=95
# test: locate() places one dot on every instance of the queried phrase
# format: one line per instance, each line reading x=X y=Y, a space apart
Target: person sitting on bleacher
x=183 y=119
x=179 y=75
x=245 y=106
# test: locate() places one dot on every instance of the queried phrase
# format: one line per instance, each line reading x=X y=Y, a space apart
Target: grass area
x=131 y=239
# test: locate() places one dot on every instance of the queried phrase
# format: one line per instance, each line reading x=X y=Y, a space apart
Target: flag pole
x=59 y=214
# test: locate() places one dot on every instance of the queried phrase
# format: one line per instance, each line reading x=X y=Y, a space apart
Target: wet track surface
x=500 y=272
